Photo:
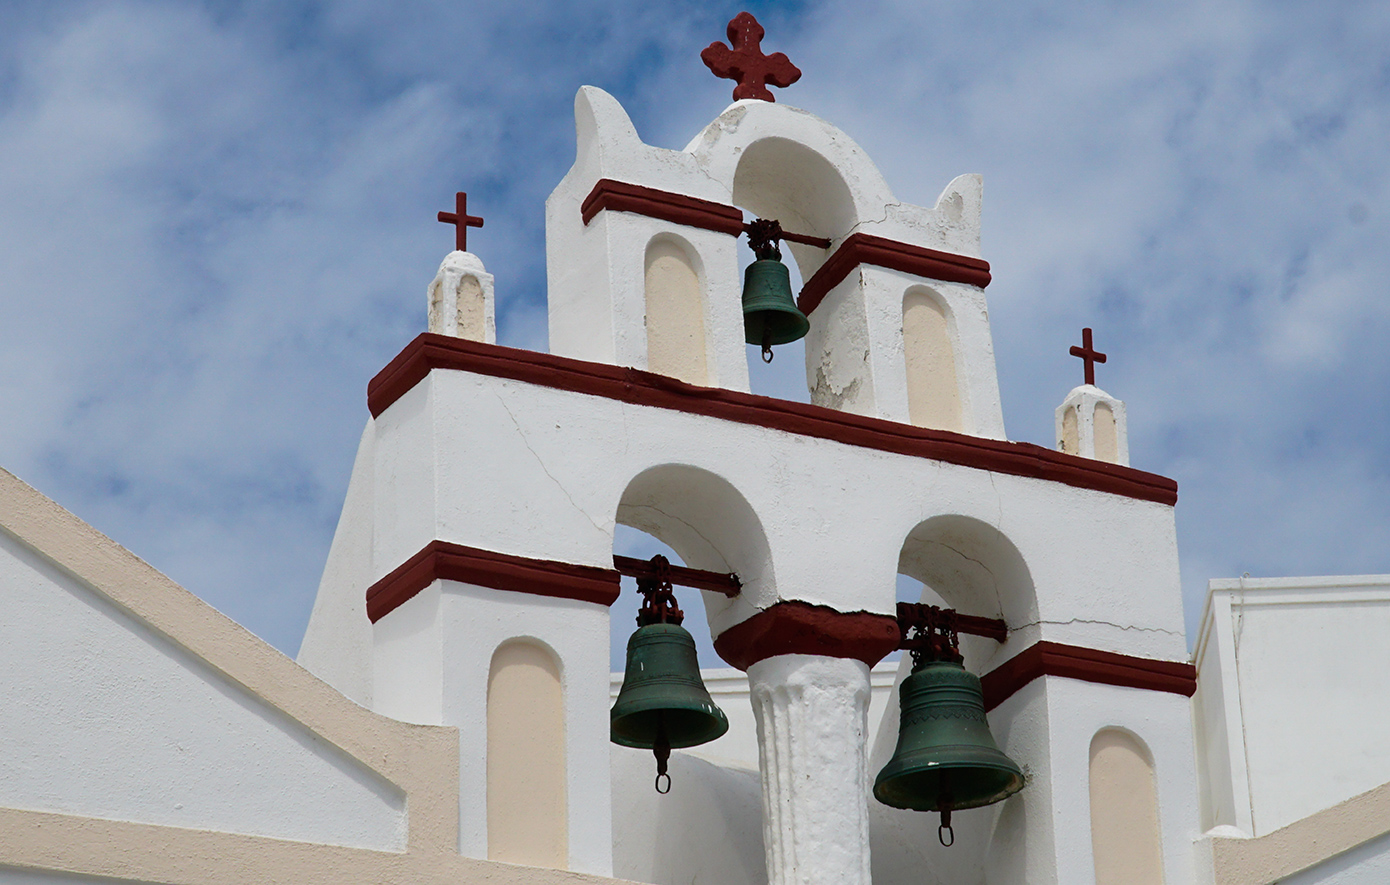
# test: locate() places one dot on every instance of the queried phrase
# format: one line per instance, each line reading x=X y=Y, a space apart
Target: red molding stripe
x=860 y=249
x=619 y=196
x=429 y=351
x=803 y=629
x=441 y=560
x=1088 y=665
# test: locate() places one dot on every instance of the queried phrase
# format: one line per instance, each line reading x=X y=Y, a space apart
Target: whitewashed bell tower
x=479 y=524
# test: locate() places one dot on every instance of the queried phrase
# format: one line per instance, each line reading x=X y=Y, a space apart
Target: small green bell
x=663 y=703
x=770 y=314
x=946 y=757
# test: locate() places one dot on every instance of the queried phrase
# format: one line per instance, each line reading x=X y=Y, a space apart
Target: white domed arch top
x=772 y=161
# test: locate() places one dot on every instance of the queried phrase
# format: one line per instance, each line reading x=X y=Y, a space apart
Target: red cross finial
x=1089 y=355
x=746 y=63
x=461 y=221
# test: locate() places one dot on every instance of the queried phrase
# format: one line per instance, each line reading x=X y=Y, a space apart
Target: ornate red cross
x=461 y=221
x=746 y=63
x=1089 y=355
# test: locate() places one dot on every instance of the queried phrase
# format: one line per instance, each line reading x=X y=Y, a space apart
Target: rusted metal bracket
x=931 y=630
x=643 y=570
x=760 y=231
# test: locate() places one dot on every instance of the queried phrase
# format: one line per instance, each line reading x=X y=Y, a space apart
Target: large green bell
x=946 y=758
x=770 y=314
x=663 y=703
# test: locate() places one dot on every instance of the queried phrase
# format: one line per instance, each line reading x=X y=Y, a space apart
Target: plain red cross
x=746 y=63
x=1089 y=355
x=461 y=221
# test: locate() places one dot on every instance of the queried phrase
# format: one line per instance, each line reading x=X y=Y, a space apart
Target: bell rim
x=1015 y=785
x=716 y=716
x=803 y=327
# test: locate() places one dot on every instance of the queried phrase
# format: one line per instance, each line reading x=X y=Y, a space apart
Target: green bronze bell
x=663 y=704
x=946 y=757
x=770 y=314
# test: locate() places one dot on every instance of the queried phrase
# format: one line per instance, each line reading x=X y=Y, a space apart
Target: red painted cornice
x=861 y=248
x=800 y=628
x=429 y=352
x=1088 y=665
x=619 y=196
x=441 y=560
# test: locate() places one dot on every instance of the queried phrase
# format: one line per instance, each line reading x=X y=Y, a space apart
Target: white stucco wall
x=337 y=644
x=539 y=472
x=106 y=718
x=1293 y=673
x=433 y=655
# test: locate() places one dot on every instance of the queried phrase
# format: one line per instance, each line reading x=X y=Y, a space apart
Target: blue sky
x=217 y=223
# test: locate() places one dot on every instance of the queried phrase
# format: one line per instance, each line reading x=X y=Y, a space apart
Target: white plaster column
x=811 y=713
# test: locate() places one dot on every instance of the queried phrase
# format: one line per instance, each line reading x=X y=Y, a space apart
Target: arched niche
x=1126 y=843
x=527 y=820
x=675 y=310
x=1071 y=433
x=710 y=525
x=974 y=568
x=1107 y=436
x=929 y=352
x=786 y=180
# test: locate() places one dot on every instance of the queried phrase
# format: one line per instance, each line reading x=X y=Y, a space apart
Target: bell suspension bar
x=923 y=617
x=644 y=570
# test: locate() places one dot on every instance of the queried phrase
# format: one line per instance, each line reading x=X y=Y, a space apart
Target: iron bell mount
x=770 y=314
x=946 y=758
x=663 y=704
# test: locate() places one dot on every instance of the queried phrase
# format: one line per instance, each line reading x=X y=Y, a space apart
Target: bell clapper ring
x=767 y=345
x=945 y=829
x=662 y=751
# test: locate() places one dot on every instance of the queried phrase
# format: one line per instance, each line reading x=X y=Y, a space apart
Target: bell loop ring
x=941 y=833
x=658 y=783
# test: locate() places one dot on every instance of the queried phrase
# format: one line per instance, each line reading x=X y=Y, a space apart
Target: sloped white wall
x=106 y=718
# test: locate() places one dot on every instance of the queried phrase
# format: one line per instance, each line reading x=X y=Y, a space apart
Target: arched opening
x=527 y=821
x=933 y=391
x=970 y=566
x=781 y=179
x=1125 y=839
x=709 y=525
x=698 y=519
x=675 y=311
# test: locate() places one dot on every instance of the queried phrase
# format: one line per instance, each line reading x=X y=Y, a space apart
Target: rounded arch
x=527 y=811
x=676 y=310
x=934 y=395
x=972 y=566
x=709 y=524
x=780 y=178
x=1126 y=843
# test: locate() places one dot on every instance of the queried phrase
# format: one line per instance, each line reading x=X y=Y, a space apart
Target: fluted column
x=811 y=712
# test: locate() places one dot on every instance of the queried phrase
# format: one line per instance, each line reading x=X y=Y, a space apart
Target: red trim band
x=441 y=560
x=429 y=351
x=799 y=628
x=861 y=248
x=1088 y=665
x=619 y=196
